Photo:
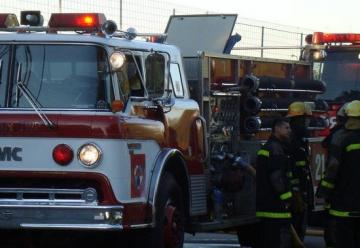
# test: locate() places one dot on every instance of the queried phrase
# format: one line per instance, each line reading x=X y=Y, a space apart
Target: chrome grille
x=198 y=194
x=46 y=196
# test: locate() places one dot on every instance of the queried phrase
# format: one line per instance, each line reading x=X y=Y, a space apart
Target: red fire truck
x=336 y=60
x=101 y=131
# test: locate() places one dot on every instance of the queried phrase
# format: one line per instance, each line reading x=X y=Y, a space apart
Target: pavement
x=313 y=239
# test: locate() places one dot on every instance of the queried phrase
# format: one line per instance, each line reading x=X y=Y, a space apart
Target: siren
x=31 y=18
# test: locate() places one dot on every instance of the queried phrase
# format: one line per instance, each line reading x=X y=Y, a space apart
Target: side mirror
x=155 y=75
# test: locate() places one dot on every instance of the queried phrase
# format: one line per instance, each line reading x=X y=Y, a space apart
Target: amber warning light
x=8 y=20
x=77 y=21
x=320 y=38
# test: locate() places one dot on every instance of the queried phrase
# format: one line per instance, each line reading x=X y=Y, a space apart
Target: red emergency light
x=8 y=20
x=320 y=38
x=77 y=21
x=156 y=39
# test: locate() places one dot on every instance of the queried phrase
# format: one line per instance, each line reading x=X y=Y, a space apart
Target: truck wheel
x=170 y=219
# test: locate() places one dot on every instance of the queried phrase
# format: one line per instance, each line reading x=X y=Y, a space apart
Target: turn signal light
x=63 y=154
x=117 y=106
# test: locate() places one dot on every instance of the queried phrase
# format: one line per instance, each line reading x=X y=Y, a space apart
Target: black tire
x=165 y=234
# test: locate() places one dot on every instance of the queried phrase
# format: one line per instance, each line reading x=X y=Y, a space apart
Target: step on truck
x=102 y=132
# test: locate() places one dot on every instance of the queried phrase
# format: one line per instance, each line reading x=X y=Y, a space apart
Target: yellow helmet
x=353 y=109
x=299 y=109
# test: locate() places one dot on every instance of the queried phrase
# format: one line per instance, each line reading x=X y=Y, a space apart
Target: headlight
x=117 y=60
x=89 y=155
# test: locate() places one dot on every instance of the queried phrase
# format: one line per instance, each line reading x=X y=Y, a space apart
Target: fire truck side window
x=155 y=74
x=4 y=62
x=62 y=76
x=176 y=80
x=341 y=72
x=129 y=77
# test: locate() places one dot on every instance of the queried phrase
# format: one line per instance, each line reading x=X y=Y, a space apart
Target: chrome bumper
x=61 y=217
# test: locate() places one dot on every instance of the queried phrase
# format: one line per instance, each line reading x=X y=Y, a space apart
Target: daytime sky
x=327 y=15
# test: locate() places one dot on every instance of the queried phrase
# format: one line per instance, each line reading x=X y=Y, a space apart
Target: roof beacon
x=77 y=21
x=320 y=38
x=8 y=21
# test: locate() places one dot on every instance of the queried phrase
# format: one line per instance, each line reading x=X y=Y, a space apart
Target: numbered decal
x=319 y=166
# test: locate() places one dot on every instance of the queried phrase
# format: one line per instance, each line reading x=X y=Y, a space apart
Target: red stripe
x=72 y=126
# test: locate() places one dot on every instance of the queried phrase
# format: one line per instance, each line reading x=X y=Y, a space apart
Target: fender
x=160 y=166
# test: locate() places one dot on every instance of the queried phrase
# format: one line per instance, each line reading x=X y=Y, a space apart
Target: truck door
x=165 y=81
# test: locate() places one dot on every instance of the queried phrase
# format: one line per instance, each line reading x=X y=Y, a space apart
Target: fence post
x=262 y=41
x=301 y=39
x=174 y=11
x=121 y=14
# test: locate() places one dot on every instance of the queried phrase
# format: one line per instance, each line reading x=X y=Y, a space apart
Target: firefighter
x=341 y=181
x=303 y=201
x=335 y=133
x=273 y=194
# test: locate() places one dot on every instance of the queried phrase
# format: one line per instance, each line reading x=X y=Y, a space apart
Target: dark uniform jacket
x=328 y=140
x=302 y=175
x=272 y=184
x=341 y=183
x=333 y=139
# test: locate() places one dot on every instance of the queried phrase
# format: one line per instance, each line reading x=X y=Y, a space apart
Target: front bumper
x=61 y=217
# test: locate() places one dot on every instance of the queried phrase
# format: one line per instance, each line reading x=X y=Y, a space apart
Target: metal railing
x=152 y=17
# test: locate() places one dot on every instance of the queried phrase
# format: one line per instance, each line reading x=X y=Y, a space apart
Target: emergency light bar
x=77 y=21
x=8 y=20
x=320 y=38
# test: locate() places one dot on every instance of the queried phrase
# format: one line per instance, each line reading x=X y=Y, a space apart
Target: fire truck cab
x=98 y=130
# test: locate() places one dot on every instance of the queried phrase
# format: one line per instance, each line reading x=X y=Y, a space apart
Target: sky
x=322 y=15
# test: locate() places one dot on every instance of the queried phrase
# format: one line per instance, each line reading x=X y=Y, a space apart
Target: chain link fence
x=152 y=17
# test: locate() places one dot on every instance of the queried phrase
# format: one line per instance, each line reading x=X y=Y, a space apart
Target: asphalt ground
x=313 y=239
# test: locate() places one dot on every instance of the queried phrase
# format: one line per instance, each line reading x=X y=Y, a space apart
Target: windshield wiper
x=32 y=101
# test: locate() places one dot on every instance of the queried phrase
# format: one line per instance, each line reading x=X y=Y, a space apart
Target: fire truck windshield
x=341 y=72
x=66 y=76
